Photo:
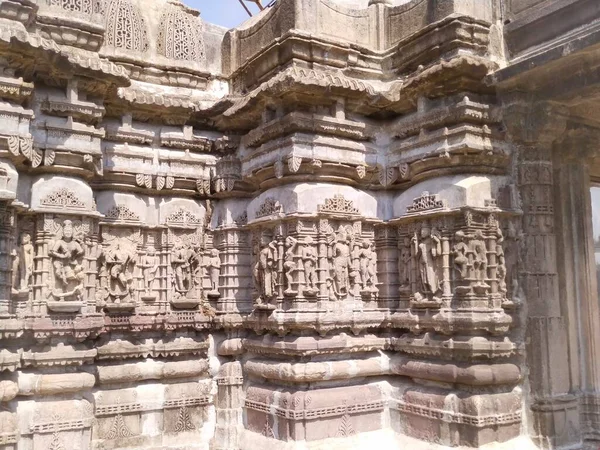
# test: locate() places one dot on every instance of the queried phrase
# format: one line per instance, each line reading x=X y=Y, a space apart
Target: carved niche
x=118 y=261
x=66 y=250
x=456 y=259
x=194 y=265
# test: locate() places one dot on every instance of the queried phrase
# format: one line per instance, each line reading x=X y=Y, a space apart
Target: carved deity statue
x=214 y=271
x=480 y=262
x=185 y=262
x=428 y=251
x=289 y=264
x=119 y=262
x=461 y=253
x=23 y=265
x=501 y=262
x=404 y=264
x=309 y=261
x=149 y=264
x=355 y=262
x=367 y=267
x=68 y=271
x=340 y=255
x=265 y=271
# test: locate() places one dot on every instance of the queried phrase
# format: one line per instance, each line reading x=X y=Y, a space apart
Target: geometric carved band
x=333 y=411
x=8 y=438
x=230 y=381
x=124 y=408
x=458 y=418
x=51 y=427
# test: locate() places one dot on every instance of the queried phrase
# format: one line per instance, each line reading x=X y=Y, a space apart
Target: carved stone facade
x=341 y=223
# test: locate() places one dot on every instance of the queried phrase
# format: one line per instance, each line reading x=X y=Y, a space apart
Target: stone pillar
x=236 y=275
x=7 y=220
x=229 y=403
x=553 y=405
x=577 y=267
x=387 y=266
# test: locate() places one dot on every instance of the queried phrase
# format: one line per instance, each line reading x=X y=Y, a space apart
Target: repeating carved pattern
x=338 y=204
x=122 y=213
x=183 y=217
x=63 y=198
x=269 y=207
x=80 y=6
x=180 y=35
x=125 y=27
x=426 y=202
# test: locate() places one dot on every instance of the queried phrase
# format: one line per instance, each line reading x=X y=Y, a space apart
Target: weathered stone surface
x=342 y=223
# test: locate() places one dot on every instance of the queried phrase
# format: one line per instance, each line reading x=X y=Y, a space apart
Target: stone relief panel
x=326 y=257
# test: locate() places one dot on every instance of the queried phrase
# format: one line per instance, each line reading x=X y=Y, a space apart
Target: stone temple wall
x=330 y=227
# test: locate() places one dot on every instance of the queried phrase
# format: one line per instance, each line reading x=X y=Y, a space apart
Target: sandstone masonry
x=343 y=225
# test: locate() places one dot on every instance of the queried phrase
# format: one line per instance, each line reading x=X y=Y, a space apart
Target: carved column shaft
x=6 y=241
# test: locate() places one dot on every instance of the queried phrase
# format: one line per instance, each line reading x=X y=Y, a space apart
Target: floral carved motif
x=269 y=207
x=183 y=217
x=426 y=202
x=63 y=198
x=122 y=213
x=338 y=204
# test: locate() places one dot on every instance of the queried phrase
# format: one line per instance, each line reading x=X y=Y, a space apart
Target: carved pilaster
x=534 y=131
x=7 y=230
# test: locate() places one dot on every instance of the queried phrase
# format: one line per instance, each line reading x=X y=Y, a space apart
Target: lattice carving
x=269 y=207
x=77 y=6
x=339 y=205
x=63 y=198
x=125 y=27
x=180 y=35
x=426 y=202
x=122 y=213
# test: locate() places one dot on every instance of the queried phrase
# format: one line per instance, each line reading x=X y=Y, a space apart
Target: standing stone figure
x=289 y=264
x=404 y=264
x=340 y=254
x=428 y=251
x=118 y=261
x=372 y=280
x=265 y=272
x=214 y=271
x=23 y=265
x=479 y=250
x=149 y=265
x=501 y=262
x=461 y=254
x=365 y=260
x=309 y=261
x=68 y=272
x=183 y=261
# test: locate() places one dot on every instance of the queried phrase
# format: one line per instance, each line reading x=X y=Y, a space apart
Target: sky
x=227 y=13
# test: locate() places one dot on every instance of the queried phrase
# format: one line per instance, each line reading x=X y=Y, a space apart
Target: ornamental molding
x=426 y=202
x=183 y=217
x=121 y=213
x=269 y=207
x=63 y=198
x=338 y=205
